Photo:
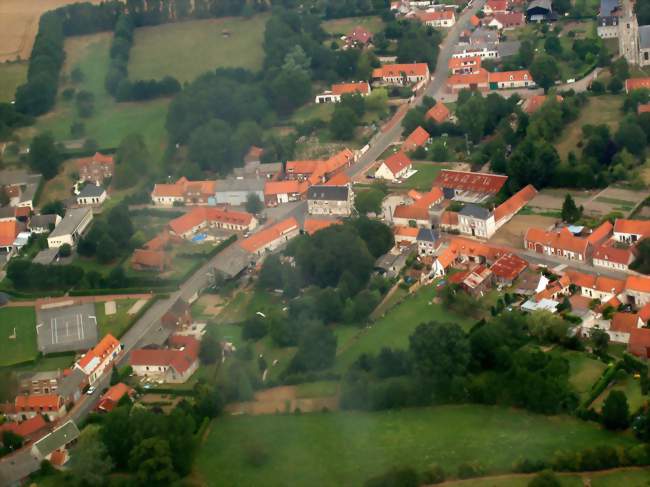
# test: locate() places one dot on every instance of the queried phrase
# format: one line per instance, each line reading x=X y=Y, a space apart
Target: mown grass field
x=115 y=324
x=605 y=109
x=625 y=477
x=23 y=347
x=426 y=175
x=584 y=371
x=111 y=121
x=345 y=449
x=185 y=50
x=344 y=26
x=11 y=76
x=394 y=329
x=632 y=389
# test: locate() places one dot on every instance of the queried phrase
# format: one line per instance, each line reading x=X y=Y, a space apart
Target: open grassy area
x=51 y=362
x=115 y=324
x=313 y=111
x=394 y=329
x=23 y=347
x=317 y=389
x=423 y=179
x=584 y=371
x=11 y=76
x=605 y=109
x=246 y=304
x=185 y=50
x=341 y=449
x=111 y=121
x=632 y=389
x=629 y=477
x=344 y=26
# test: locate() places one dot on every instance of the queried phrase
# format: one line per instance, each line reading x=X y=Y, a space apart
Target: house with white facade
x=71 y=228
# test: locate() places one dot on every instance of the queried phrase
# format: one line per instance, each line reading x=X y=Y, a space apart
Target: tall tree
x=570 y=212
x=90 y=464
x=44 y=155
x=616 y=411
x=545 y=71
x=132 y=161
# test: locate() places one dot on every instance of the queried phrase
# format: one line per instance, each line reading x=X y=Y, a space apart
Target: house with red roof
x=179 y=316
x=558 y=243
x=611 y=256
x=404 y=215
x=439 y=113
x=513 y=205
x=29 y=406
x=643 y=108
x=150 y=260
x=278 y=192
x=465 y=65
x=469 y=187
x=495 y=6
x=99 y=358
x=271 y=237
x=637 y=290
x=535 y=102
x=637 y=84
x=418 y=138
x=401 y=74
x=313 y=225
x=184 y=192
x=437 y=18
x=95 y=169
x=508 y=268
x=174 y=364
x=358 y=38
x=505 y=20
x=467 y=251
x=477 y=80
x=639 y=342
x=631 y=231
x=510 y=79
x=199 y=219
x=113 y=395
x=9 y=230
x=30 y=429
x=405 y=235
x=338 y=90
x=394 y=167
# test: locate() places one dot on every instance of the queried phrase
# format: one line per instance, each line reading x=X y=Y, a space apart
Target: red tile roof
x=416 y=139
x=581 y=279
x=508 y=267
x=158 y=242
x=438 y=112
x=340 y=179
x=563 y=240
x=27 y=427
x=639 y=343
x=614 y=254
x=284 y=187
x=536 y=102
x=480 y=77
x=178 y=189
x=9 y=230
x=636 y=227
x=637 y=83
x=600 y=234
x=643 y=108
x=475 y=21
x=411 y=212
x=361 y=35
x=509 y=19
x=449 y=218
x=197 y=216
x=98 y=353
x=497 y=5
x=470 y=181
x=436 y=15
x=362 y=87
x=179 y=360
x=638 y=283
x=644 y=313
x=113 y=395
x=59 y=457
x=149 y=258
x=312 y=225
x=506 y=76
x=609 y=285
x=264 y=237
x=459 y=63
x=98 y=158
x=515 y=203
x=624 y=322
x=396 y=162
x=391 y=70
x=402 y=231
x=429 y=199
x=46 y=402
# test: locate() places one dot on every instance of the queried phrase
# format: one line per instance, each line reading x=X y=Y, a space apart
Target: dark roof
x=508 y=48
x=71 y=383
x=426 y=234
x=475 y=211
x=543 y=4
x=59 y=438
x=90 y=191
x=607 y=7
x=231 y=261
x=331 y=193
x=644 y=36
x=42 y=221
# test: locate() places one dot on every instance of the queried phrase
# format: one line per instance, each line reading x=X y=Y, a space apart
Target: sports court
x=66 y=327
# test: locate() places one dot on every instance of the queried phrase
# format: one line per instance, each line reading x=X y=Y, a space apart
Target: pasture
x=11 y=76
x=22 y=347
x=344 y=26
x=185 y=50
x=346 y=448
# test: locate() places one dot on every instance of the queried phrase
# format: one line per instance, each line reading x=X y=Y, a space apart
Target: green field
x=584 y=371
x=111 y=121
x=630 y=477
x=23 y=347
x=117 y=323
x=341 y=449
x=426 y=175
x=394 y=329
x=185 y=50
x=246 y=304
x=11 y=76
x=605 y=109
x=632 y=389
x=344 y=26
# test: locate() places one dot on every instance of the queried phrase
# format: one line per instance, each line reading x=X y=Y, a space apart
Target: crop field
x=11 y=76
x=346 y=448
x=185 y=50
x=17 y=335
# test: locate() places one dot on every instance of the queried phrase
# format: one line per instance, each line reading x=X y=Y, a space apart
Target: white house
x=91 y=195
x=394 y=167
x=401 y=74
x=99 y=358
x=71 y=228
x=630 y=231
x=338 y=90
x=476 y=221
x=440 y=18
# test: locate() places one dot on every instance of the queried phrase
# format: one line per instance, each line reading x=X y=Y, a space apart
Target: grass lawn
x=247 y=303
x=516 y=480
x=59 y=187
x=384 y=306
x=584 y=371
x=313 y=111
x=628 y=478
x=341 y=449
x=48 y=363
x=605 y=109
x=11 y=76
x=115 y=324
x=317 y=389
x=423 y=179
x=111 y=121
x=632 y=389
x=23 y=347
x=394 y=329
x=185 y=50
x=344 y=26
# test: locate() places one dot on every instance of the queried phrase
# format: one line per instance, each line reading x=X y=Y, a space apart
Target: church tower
x=628 y=33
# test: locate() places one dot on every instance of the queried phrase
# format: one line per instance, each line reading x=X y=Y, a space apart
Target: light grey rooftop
x=70 y=222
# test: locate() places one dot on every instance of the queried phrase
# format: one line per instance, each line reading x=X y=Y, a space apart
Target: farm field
x=185 y=50
x=309 y=448
x=11 y=76
x=605 y=109
x=395 y=328
x=115 y=324
x=23 y=347
x=343 y=26
x=111 y=121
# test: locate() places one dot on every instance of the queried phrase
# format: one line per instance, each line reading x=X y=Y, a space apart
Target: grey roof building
x=235 y=191
x=644 y=37
x=57 y=439
x=42 y=223
x=330 y=193
x=427 y=235
x=475 y=211
x=70 y=229
x=70 y=386
x=232 y=261
x=45 y=256
x=329 y=200
x=91 y=191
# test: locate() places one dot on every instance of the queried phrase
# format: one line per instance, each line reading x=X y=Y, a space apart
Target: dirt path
x=283 y=399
